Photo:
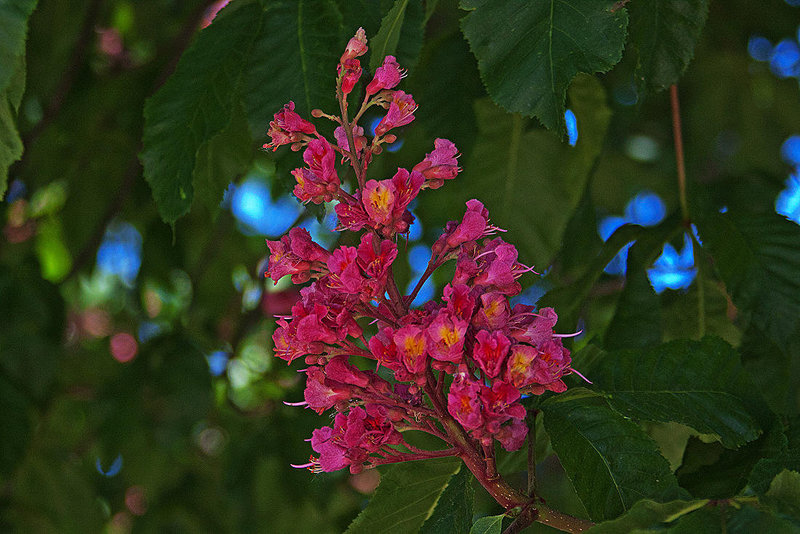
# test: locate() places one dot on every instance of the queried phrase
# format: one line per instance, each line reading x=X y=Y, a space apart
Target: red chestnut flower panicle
x=455 y=368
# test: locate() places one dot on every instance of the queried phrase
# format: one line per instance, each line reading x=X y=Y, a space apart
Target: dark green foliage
x=453 y=512
x=543 y=46
x=611 y=462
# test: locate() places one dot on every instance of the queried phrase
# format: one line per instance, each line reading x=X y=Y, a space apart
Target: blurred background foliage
x=138 y=387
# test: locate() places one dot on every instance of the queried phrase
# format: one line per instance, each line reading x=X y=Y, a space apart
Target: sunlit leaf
x=488 y=525
x=406 y=497
x=647 y=513
x=453 y=512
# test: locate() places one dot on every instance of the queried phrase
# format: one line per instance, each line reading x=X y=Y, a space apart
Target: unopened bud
x=391 y=138
x=317 y=113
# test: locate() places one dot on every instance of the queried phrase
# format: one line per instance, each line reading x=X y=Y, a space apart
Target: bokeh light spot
x=572 y=127
x=642 y=148
x=217 y=362
x=426 y=292
x=759 y=48
x=113 y=469
x=123 y=347
x=790 y=150
x=784 y=61
x=646 y=209
x=120 y=253
x=135 y=500
x=673 y=269
x=418 y=257
x=788 y=201
x=254 y=208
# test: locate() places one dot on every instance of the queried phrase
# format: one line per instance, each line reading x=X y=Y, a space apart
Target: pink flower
x=463 y=400
x=473 y=226
x=350 y=71
x=283 y=260
x=339 y=370
x=286 y=127
x=401 y=112
x=494 y=311
x=358 y=139
x=552 y=363
x=406 y=186
x=459 y=300
x=351 y=214
x=383 y=347
x=535 y=328
x=446 y=337
x=318 y=395
x=500 y=405
x=304 y=247
x=378 y=198
x=320 y=158
x=345 y=275
x=520 y=368
x=376 y=263
x=439 y=165
x=387 y=76
x=332 y=455
x=412 y=348
x=512 y=436
x=490 y=351
x=356 y=46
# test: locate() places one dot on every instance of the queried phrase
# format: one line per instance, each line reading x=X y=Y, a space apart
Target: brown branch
x=133 y=171
x=679 y=160
x=77 y=58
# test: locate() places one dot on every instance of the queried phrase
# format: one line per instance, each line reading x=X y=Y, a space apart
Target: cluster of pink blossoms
x=457 y=368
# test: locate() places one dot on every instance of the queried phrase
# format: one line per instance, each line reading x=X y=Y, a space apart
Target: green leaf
x=31 y=331
x=453 y=512
x=775 y=369
x=700 y=384
x=195 y=105
x=758 y=259
x=488 y=525
x=713 y=472
x=784 y=492
x=647 y=513
x=15 y=420
x=611 y=462
x=637 y=320
x=749 y=519
x=569 y=298
x=665 y=33
x=14 y=23
x=10 y=142
x=243 y=56
x=406 y=497
x=226 y=157
x=385 y=41
x=446 y=109
x=529 y=52
x=529 y=181
x=294 y=57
